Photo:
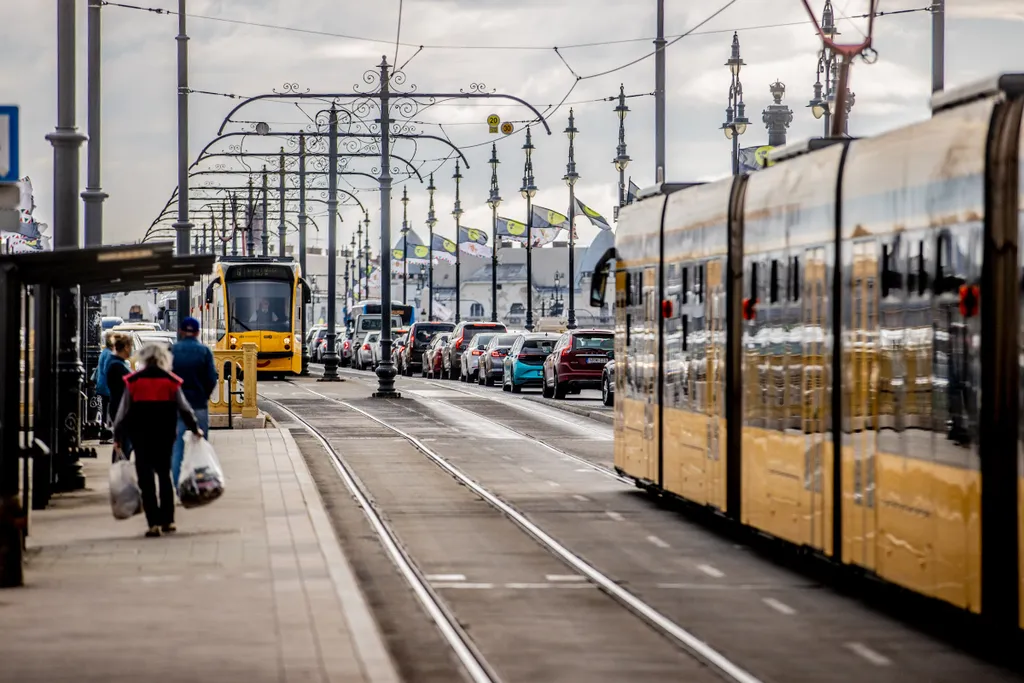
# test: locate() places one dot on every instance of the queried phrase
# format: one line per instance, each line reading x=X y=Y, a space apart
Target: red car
x=432 y=363
x=577 y=362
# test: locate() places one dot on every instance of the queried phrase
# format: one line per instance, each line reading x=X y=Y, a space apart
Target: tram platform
x=254 y=587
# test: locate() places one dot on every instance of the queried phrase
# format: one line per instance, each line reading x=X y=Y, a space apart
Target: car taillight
x=565 y=351
x=477 y=352
x=496 y=354
x=366 y=347
x=458 y=344
x=347 y=344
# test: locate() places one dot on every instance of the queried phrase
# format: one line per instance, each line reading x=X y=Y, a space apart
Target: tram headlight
x=233 y=341
x=287 y=342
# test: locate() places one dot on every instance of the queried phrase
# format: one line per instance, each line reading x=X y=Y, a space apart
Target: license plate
x=597 y=360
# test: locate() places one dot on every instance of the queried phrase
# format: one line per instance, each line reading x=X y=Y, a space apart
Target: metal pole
x=457 y=213
x=385 y=369
x=405 y=246
x=330 y=356
x=264 y=232
x=223 y=229
x=659 y=96
x=93 y=197
x=735 y=154
x=431 y=222
x=302 y=245
x=280 y=226
x=67 y=141
x=528 y=190
x=182 y=226
x=494 y=263
x=938 y=45
x=571 y=177
x=234 y=224
x=366 y=257
x=250 y=238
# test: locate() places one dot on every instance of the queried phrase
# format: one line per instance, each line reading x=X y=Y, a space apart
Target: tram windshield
x=259 y=305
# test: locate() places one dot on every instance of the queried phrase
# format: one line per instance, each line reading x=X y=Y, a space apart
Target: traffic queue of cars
x=492 y=355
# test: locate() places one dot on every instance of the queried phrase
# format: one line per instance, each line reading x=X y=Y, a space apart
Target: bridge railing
x=235 y=367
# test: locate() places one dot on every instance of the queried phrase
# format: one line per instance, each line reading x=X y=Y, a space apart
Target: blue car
x=524 y=364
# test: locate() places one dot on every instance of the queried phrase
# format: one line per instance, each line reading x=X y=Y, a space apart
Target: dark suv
x=419 y=338
x=577 y=362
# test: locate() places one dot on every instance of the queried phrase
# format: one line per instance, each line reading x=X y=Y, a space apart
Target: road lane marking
x=711 y=571
x=582 y=499
x=522 y=586
x=460 y=584
x=446 y=577
x=615 y=515
x=658 y=542
x=565 y=578
x=867 y=653
x=779 y=606
x=553 y=483
x=527 y=470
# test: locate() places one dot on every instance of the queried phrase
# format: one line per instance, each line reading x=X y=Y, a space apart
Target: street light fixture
x=735 y=114
x=457 y=215
x=777 y=116
x=570 y=178
x=621 y=159
x=366 y=247
x=823 y=105
x=494 y=201
x=528 y=190
x=431 y=222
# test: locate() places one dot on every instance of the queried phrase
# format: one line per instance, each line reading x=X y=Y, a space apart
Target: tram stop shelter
x=38 y=276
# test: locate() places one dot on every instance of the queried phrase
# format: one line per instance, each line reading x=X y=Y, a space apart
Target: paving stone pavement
x=254 y=587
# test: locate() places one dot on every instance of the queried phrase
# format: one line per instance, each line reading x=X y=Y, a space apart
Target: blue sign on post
x=9 y=144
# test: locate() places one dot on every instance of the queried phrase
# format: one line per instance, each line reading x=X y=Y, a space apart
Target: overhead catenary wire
x=440 y=46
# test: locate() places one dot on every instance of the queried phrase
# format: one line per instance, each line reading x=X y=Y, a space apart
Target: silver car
x=471 y=358
x=367 y=356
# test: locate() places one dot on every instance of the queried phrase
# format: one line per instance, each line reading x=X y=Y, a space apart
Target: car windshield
x=481 y=340
x=259 y=305
x=426 y=331
x=537 y=346
x=506 y=340
x=470 y=331
x=593 y=341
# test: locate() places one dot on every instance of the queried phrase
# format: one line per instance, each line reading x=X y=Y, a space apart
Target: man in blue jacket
x=193 y=363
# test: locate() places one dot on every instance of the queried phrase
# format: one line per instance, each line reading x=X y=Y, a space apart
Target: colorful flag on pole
x=472 y=235
x=596 y=219
x=515 y=231
x=443 y=249
x=633 y=192
x=546 y=218
x=418 y=253
x=476 y=249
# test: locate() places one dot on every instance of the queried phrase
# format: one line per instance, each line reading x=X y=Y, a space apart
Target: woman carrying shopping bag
x=117 y=370
x=148 y=417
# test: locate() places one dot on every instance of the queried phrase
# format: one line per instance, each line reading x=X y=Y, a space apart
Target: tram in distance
x=258 y=300
x=828 y=350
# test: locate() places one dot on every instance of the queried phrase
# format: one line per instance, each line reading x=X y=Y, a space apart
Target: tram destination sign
x=258 y=271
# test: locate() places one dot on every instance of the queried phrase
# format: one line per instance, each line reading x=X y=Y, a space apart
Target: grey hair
x=155 y=354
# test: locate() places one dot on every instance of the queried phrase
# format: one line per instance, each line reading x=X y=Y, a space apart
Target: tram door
x=816 y=399
x=860 y=401
x=714 y=314
x=650 y=359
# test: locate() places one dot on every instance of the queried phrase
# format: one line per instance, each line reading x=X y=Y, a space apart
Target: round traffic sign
x=507 y=128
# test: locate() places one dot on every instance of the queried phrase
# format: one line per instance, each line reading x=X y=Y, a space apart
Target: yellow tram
x=829 y=350
x=256 y=300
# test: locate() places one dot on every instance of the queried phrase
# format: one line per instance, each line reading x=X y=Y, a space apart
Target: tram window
x=922 y=274
x=795 y=268
x=700 y=283
x=259 y=305
x=686 y=331
x=891 y=277
x=773 y=288
x=753 y=281
x=686 y=284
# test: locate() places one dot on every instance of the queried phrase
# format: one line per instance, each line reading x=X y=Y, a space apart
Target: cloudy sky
x=474 y=41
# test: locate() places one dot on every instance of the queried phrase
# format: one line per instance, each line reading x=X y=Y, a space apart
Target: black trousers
x=153 y=464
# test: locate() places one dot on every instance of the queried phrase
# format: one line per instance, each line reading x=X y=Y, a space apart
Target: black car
x=608 y=381
x=419 y=338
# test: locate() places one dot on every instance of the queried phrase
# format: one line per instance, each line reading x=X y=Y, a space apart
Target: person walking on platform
x=193 y=363
x=117 y=370
x=152 y=401
x=100 y=380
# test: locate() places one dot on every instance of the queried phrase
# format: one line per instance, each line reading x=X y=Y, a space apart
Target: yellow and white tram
x=829 y=350
x=258 y=300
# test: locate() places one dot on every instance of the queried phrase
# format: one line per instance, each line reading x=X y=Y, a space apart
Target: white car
x=368 y=356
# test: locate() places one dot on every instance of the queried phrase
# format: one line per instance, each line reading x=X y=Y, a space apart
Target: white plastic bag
x=201 y=480
x=125 y=494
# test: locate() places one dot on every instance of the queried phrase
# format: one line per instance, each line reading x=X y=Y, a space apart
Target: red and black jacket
x=149 y=410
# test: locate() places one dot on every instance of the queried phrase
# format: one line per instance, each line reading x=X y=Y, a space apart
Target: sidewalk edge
x=565 y=408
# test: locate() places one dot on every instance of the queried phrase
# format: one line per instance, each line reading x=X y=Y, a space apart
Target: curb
x=598 y=416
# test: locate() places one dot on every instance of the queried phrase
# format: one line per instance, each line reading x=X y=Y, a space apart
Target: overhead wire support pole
x=330 y=355
x=938 y=10
x=183 y=227
x=265 y=217
x=386 y=368
x=302 y=244
x=659 y=96
x=280 y=225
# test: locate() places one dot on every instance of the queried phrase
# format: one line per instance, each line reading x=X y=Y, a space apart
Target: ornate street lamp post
x=359 y=260
x=330 y=358
x=494 y=201
x=353 y=255
x=529 y=191
x=621 y=159
x=366 y=266
x=457 y=215
x=777 y=116
x=431 y=222
x=405 y=246
x=571 y=176
x=264 y=232
x=822 y=105
x=735 y=114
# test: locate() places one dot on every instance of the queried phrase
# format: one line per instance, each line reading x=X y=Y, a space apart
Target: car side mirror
x=599 y=279
x=209 y=292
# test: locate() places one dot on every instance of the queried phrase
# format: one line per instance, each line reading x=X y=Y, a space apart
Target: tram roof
x=1009 y=83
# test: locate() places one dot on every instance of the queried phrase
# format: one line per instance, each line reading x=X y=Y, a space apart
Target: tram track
x=462 y=645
